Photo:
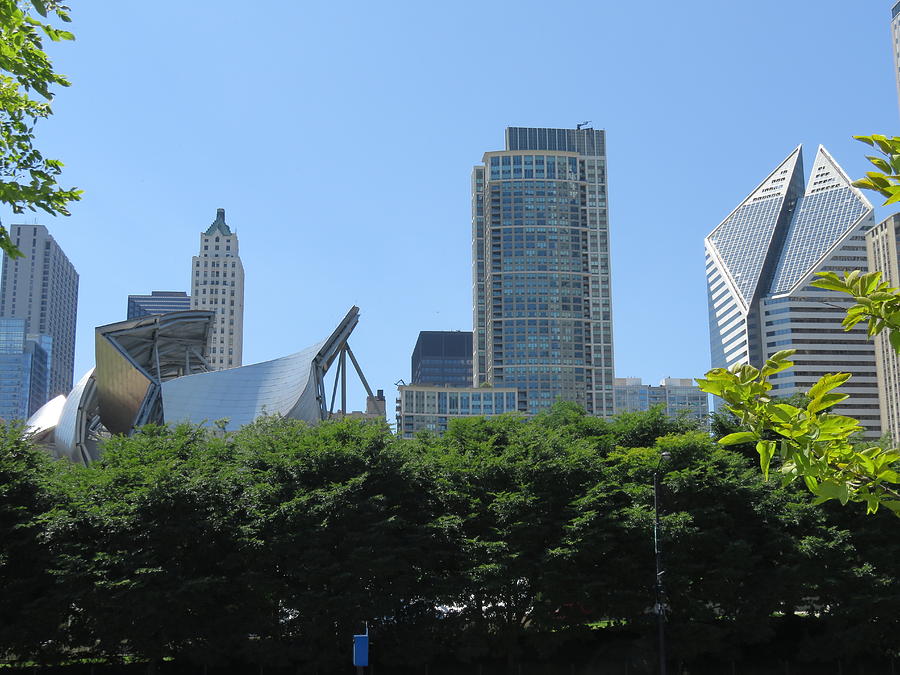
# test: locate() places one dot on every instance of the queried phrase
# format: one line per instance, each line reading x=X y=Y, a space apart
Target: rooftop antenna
x=581 y=126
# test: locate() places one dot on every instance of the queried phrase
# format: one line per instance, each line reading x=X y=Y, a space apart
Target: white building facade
x=760 y=262
x=881 y=247
x=217 y=285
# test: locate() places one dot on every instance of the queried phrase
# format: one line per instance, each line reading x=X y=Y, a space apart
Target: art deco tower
x=760 y=262
x=540 y=268
x=217 y=284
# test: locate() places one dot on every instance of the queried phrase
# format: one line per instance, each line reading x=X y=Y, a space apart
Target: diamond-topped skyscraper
x=760 y=262
x=217 y=284
x=540 y=268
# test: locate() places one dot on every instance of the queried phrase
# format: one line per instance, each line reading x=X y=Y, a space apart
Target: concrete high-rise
x=760 y=262
x=42 y=289
x=882 y=243
x=217 y=284
x=158 y=302
x=542 y=310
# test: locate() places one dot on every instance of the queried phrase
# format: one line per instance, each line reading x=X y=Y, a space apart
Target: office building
x=443 y=357
x=41 y=288
x=676 y=395
x=24 y=370
x=895 y=42
x=217 y=285
x=158 y=302
x=760 y=262
x=881 y=246
x=430 y=408
x=542 y=310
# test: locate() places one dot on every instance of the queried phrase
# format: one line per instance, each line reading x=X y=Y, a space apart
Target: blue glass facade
x=819 y=221
x=443 y=358
x=542 y=297
x=24 y=370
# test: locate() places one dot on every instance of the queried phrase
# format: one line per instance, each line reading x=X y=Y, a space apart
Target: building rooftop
x=219 y=224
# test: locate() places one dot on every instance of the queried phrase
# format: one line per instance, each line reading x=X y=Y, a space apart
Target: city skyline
x=676 y=128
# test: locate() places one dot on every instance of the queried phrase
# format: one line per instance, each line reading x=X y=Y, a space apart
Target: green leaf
x=738 y=438
x=765 y=449
x=880 y=163
x=826 y=383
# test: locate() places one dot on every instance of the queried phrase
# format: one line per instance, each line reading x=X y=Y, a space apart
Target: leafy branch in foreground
x=876 y=302
x=886 y=180
x=811 y=443
x=28 y=180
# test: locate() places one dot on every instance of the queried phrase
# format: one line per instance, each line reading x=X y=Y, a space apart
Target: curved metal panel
x=44 y=420
x=285 y=386
x=71 y=431
x=133 y=357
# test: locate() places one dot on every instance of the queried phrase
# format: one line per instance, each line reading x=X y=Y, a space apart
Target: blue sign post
x=361 y=649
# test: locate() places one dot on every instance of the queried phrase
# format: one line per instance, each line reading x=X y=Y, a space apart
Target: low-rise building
x=430 y=408
x=677 y=395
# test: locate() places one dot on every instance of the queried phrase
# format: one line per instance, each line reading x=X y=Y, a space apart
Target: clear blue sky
x=340 y=138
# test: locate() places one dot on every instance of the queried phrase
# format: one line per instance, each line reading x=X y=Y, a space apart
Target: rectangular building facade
x=158 y=302
x=217 y=284
x=542 y=309
x=881 y=246
x=443 y=357
x=895 y=43
x=24 y=370
x=676 y=395
x=430 y=408
x=41 y=288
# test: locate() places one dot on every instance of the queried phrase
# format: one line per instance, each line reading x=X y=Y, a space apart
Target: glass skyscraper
x=760 y=262
x=24 y=370
x=443 y=357
x=540 y=268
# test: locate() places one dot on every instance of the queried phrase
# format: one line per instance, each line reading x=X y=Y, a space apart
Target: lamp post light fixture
x=657 y=552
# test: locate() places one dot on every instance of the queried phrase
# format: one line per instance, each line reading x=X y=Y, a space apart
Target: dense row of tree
x=274 y=544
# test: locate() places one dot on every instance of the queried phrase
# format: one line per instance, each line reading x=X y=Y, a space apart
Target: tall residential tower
x=540 y=268
x=895 y=42
x=217 y=284
x=760 y=262
x=42 y=289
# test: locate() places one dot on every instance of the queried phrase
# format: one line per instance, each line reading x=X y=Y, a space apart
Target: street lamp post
x=657 y=552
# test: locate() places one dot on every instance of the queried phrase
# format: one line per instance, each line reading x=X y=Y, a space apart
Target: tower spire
x=219 y=223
